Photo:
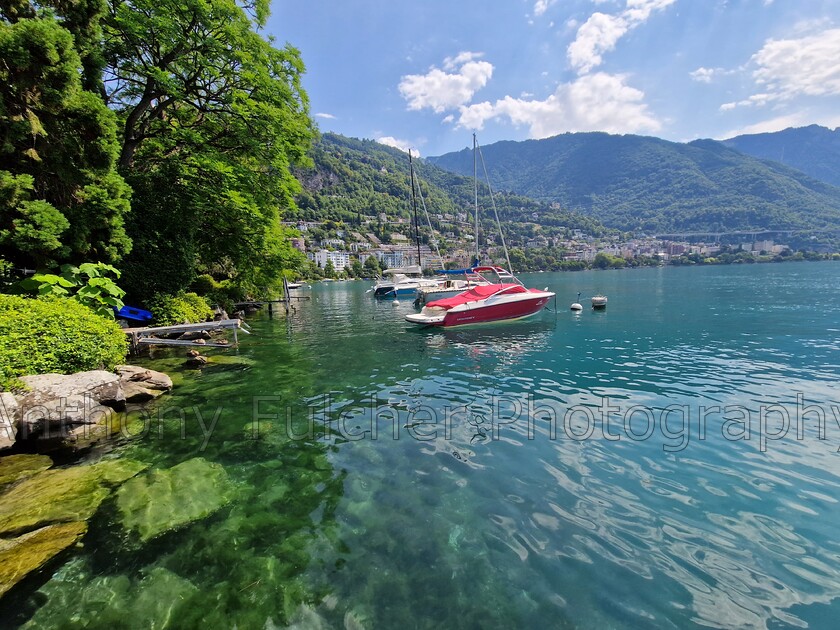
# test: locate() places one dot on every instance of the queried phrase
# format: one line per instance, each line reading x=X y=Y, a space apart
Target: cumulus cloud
x=454 y=85
x=804 y=66
x=596 y=102
x=325 y=116
x=786 y=69
x=402 y=145
x=601 y=32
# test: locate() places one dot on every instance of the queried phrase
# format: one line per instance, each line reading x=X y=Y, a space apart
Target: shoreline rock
x=73 y=410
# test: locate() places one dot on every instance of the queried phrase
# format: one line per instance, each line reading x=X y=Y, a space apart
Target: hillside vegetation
x=652 y=185
x=814 y=150
x=355 y=181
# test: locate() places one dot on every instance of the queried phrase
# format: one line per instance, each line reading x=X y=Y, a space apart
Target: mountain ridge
x=814 y=150
x=643 y=183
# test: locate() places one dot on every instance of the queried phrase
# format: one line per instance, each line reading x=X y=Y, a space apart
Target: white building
x=340 y=260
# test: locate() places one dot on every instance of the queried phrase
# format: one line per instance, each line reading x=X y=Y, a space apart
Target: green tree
x=214 y=117
x=329 y=269
x=357 y=269
x=372 y=267
x=60 y=195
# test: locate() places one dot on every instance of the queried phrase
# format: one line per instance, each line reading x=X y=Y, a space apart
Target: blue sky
x=426 y=74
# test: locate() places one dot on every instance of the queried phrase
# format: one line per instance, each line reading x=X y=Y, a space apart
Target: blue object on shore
x=132 y=312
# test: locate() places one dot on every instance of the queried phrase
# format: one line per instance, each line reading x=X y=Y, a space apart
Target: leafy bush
x=224 y=293
x=88 y=283
x=180 y=308
x=46 y=335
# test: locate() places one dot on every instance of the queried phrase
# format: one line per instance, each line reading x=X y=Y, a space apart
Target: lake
x=670 y=462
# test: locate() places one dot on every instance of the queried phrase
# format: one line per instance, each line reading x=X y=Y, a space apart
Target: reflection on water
x=627 y=468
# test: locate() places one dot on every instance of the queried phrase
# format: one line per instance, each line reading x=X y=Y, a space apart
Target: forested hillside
x=814 y=150
x=358 y=180
x=652 y=185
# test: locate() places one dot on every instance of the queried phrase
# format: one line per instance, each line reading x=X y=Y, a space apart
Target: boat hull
x=386 y=292
x=496 y=311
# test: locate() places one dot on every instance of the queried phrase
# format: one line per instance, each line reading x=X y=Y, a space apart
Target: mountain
x=643 y=183
x=356 y=181
x=814 y=150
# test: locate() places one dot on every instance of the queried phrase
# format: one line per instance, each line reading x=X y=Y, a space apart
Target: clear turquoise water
x=491 y=517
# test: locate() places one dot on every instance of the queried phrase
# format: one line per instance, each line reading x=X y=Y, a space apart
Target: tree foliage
x=214 y=117
x=90 y=284
x=186 y=101
x=61 y=198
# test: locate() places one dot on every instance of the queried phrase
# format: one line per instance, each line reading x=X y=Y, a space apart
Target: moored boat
x=453 y=282
x=403 y=281
x=599 y=301
x=505 y=299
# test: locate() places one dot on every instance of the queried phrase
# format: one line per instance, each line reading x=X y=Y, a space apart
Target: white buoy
x=395 y=303
x=576 y=307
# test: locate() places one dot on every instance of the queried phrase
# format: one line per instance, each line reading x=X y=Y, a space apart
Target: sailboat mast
x=475 y=186
x=414 y=203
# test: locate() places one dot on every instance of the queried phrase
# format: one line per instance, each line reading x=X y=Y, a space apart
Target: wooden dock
x=148 y=336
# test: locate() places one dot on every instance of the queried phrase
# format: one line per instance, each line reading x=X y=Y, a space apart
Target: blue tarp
x=132 y=312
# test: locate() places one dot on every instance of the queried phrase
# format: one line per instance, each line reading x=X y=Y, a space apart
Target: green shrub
x=46 y=335
x=89 y=283
x=224 y=293
x=180 y=308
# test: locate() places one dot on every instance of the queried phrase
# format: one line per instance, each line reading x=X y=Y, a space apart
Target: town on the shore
x=335 y=249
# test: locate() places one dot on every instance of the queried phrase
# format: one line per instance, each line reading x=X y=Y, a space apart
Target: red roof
x=476 y=293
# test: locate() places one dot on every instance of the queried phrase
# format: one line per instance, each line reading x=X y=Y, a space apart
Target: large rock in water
x=58 y=403
x=8 y=420
x=29 y=552
x=164 y=500
x=100 y=385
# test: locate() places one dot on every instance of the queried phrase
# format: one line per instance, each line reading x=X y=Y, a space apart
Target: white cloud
x=706 y=75
x=805 y=66
x=596 y=102
x=601 y=32
x=402 y=145
x=541 y=6
x=787 y=69
x=326 y=116
x=455 y=85
x=703 y=75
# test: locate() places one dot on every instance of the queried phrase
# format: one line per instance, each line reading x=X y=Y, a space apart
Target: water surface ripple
x=469 y=478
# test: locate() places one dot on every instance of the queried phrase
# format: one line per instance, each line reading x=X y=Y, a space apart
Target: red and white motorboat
x=505 y=299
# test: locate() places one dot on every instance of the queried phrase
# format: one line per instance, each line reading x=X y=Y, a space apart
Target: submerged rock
x=168 y=499
x=16 y=467
x=160 y=599
x=29 y=552
x=61 y=495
